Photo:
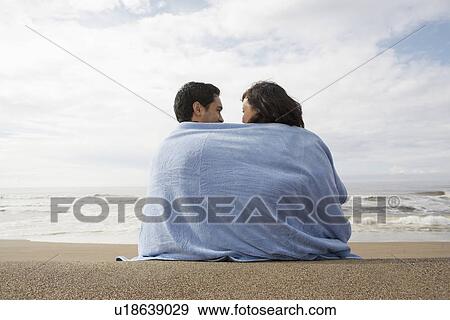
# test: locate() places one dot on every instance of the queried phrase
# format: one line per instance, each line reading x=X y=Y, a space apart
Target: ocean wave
x=426 y=220
x=430 y=193
x=23 y=197
x=406 y=208
x=369 y=221
x=73 y=232
x=19 y=205
x=55 y=233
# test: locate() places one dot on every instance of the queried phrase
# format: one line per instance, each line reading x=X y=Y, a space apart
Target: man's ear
x=196 y=108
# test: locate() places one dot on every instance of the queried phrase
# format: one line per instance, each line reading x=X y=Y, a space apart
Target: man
x=198 y=102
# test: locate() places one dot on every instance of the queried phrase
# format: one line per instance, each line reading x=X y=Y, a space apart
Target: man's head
x=198 y=102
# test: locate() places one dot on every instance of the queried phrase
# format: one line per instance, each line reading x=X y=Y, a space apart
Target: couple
x=264 y=102
x=263 y=190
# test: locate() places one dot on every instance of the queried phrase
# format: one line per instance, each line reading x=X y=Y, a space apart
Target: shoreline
x=26 y=250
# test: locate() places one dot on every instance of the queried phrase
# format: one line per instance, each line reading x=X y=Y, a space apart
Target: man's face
x=212 y=114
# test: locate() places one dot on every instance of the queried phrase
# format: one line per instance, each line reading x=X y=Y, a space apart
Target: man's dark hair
x=190 y=93
x=273 y=105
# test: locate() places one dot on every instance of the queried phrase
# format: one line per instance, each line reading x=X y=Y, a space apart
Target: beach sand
x=40 y=270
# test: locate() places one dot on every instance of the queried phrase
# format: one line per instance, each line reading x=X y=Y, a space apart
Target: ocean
x=415 y=212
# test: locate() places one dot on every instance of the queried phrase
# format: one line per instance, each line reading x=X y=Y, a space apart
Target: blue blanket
x=244 y=192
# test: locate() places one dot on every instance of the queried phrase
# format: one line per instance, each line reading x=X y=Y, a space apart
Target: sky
x=63 y=124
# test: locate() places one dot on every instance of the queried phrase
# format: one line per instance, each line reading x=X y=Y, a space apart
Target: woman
x=267 y=102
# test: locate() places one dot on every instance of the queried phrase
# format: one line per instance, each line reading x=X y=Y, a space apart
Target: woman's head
x=267 y=102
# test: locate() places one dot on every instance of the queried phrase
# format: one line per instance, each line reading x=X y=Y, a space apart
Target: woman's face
x=248 y=111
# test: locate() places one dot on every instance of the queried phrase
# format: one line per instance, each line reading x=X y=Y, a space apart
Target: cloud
x=65 y=124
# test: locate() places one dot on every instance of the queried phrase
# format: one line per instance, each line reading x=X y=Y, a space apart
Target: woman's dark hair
x=273 y=105
x=190 y=93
